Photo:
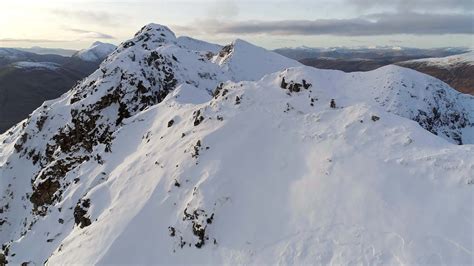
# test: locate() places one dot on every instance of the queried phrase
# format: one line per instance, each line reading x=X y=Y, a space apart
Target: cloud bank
x=371 y=25
x=87 y=34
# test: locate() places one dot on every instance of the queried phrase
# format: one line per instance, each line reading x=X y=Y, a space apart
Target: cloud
x=15 y=40
x=90 y=16
x=445 y=5
x=87 y=34
x=371 y=25
x=223 y=9
x=395 y=41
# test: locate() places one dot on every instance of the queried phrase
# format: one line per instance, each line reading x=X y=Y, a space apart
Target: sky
x=75 y=24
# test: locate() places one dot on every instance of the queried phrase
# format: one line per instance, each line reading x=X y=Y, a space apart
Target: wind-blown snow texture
x=173 y=154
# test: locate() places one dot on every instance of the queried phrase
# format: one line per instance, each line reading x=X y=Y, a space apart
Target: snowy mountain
x=28 y=79
x=45 y=51
x=97 y=52
x=11 y=55
x=175 y=153
x=449 y=61
x=373 y=53
x=456 y=70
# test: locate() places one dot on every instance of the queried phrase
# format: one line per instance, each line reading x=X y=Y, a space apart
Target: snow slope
x=447 y=62
x=169 y=155
x=198 y=45
x=249 y=61
x=97 y=52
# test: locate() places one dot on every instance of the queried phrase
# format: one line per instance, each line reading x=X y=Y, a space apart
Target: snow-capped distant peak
x=36 y=65
x=11 y=53
x=466 y=58
x=97 y=52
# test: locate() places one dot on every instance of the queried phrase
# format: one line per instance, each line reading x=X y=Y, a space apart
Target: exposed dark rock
x=3 y=260
x=306 y=85
x=80 y=212
x=198 y=118
x=40 y=122
x=200 y=232
x=210 y=219
x=172 y=231
x=283 y=83
x=48 y=190
x=226 y=50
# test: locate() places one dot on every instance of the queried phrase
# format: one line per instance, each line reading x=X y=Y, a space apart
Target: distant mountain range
x=458 y=73
x=42 y=50
x=368 y=53
x=28 y=79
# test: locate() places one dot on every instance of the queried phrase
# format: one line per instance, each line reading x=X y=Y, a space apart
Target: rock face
x=180 y=153
x=28 y=79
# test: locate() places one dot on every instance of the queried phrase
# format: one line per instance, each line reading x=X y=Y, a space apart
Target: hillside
x=28 y=79
x=175 y=155
x=451 y=65
x=455 y=70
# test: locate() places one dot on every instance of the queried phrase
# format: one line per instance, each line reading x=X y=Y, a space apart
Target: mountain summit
x=96 y=53
x=177 y=151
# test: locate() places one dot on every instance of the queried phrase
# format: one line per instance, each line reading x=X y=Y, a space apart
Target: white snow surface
x=273 y=176
x=198 y=45
x=97 y=52
x=448 y=61
x=251 y=62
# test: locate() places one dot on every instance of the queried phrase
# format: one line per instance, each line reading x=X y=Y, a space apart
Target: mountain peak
x=150 y=37
x=98 y=51
x=96 y=43
x=239 y=57
x=156 y=29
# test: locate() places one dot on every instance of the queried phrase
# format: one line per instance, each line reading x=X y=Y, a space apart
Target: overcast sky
x=279 y=23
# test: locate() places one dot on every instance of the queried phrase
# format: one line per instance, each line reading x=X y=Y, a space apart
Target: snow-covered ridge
x=198 y=45
x=449 y=61
x=240 y=57
x=97 y=52
x=11 y=53
x=241 y=156
x=36 y=65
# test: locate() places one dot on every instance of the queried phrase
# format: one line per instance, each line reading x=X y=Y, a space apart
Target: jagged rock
x=375 y=118
x=80 y=212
